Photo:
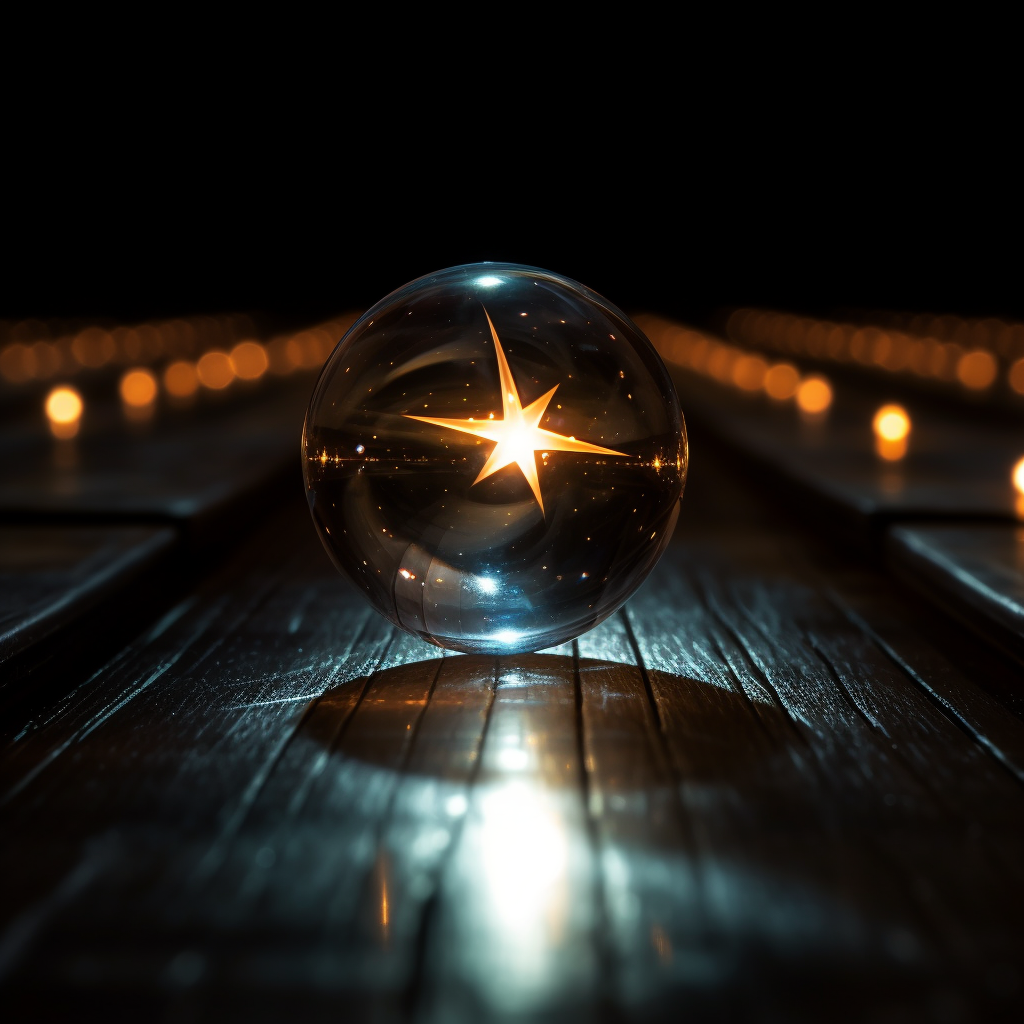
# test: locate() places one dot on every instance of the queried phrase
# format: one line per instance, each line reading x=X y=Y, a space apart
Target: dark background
x=127 y=227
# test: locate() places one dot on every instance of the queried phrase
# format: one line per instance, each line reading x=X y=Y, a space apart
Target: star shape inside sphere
x=518 y=435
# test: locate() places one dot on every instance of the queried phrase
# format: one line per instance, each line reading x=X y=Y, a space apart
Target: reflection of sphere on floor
x=495 y=455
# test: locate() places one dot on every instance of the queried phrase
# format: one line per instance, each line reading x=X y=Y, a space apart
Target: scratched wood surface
x=763 y=791
x=50 y=579
x=976 y=569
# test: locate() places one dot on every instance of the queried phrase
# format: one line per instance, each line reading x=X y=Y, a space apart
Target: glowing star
x=519 y=435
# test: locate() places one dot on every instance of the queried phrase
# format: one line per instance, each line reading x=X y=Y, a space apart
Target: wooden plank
x=205 y=473
x=884 y=746
x=51 y=577
x=956 y=466
x=655 y=920
x=271 y=804
x=957 y=672
x=787 y=873
x=976 y=570
x=156 y=759
x=513 y=934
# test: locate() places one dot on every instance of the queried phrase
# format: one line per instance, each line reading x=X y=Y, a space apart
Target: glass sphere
x=495 y=456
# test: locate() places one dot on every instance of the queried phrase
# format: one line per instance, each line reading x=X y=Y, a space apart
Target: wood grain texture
x=974 y=569
x=750 y=796
x=50 y=577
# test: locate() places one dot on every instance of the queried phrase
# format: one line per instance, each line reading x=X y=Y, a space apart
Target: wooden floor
x=777 y=787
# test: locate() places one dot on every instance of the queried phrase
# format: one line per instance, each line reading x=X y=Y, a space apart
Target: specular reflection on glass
x=495 y=455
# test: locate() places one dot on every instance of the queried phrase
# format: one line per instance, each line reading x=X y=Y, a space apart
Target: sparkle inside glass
x=495 y=456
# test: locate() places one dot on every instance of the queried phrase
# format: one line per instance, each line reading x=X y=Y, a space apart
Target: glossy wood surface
x=957 y=465
x=49 y=580
x=976 y=569
x=763 y=791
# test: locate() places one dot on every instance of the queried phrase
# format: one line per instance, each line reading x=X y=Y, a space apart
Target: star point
x=518 y=435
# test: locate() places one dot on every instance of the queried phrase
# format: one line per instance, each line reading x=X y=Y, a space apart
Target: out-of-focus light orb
x=181 y=379
x=495 y=455
x=249 y=360
x=814 y=395
x=1018 y=476
x=977 y=370
x=748 y=373
x=1016 y=376
x=782 y=381
x=64 y=408
x=138 y=388
x=892 y=429
x=214 y=370
x=891 y=423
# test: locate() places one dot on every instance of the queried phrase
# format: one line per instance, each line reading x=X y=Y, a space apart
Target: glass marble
x=495 y=455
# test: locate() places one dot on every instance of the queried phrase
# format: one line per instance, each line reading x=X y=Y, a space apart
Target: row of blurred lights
x=731 y=366
x=215 y=370
x=187 y=363
x=971 y=354
x=33 y=350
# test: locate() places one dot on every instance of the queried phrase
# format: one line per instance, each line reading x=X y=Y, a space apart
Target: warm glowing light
x=488 y=281
x=249 y=360
x=138 y=388
x=748 y=373
x=308 y=350
x=64 y=411
x=93 y=347
x=814 y=395
x=17 y=363
x=892 y=428
x=891 y=451
x=719 y=362
x=180 y=379
x=781 y=381
x=1016 y=376
x=518 y=435
x=1018 y=477
x=214 y=370
x=891 y=423
x=977 y=370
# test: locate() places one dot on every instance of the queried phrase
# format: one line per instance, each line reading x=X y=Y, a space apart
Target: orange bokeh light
x=214 y=370
x=748 y=373
x=977 y=370
x=93 y=347
x=781 y=381
x=1016 y=376
x=891 y=451
x=180 y=379
x=249 y=360
x=892 y=430
x=64 y=408
x=891 y=423
x=138 y=388
x=1018 y=477
x=814 y=395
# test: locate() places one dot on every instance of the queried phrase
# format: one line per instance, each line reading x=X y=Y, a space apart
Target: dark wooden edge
x=953 y=594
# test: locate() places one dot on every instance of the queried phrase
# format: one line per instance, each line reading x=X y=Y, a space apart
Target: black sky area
x=126 y=235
